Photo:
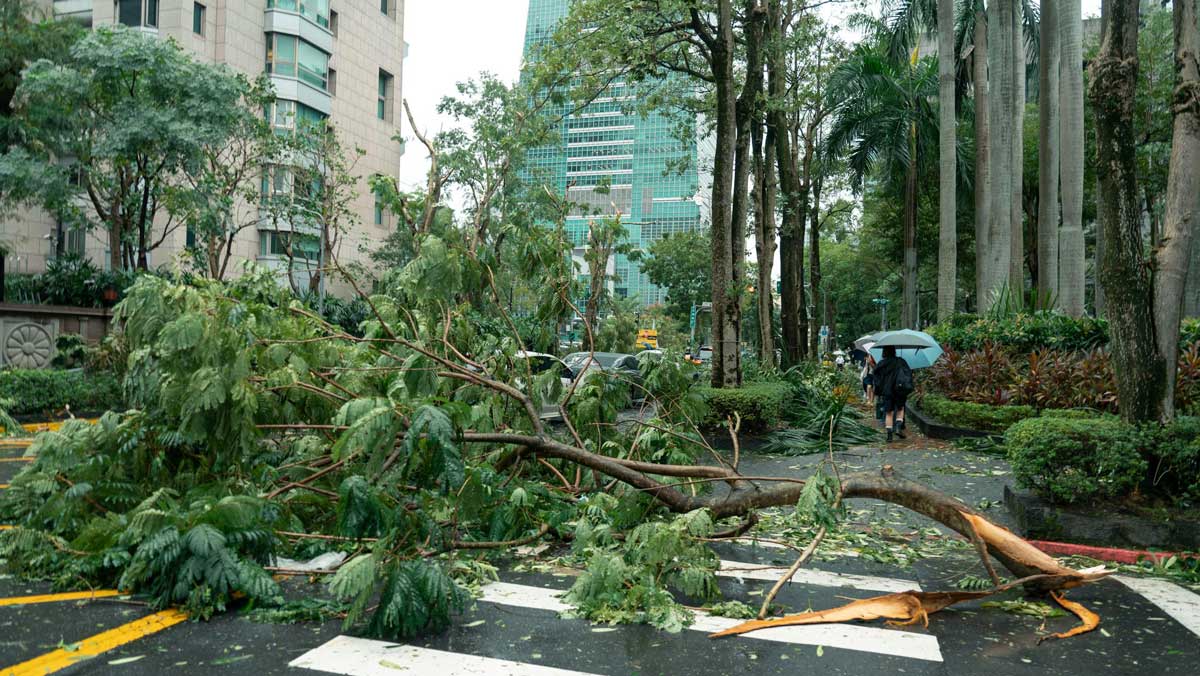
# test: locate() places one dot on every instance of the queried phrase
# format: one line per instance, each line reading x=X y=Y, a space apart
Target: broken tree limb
x=1089 y=619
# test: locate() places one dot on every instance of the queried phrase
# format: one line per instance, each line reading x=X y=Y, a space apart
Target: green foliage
x=761 y=406
x=681 y=263
x=983 y=417
x=821 y=417
x=1175 y=461
x=1072 y=460
x=46 y=392
x=68 y=280
x=1024 y=332
x=631 y=581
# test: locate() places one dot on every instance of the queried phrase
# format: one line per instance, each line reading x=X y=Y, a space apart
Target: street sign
x=824 y=331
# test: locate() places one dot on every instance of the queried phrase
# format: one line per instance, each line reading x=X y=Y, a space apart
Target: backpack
x=904 y=380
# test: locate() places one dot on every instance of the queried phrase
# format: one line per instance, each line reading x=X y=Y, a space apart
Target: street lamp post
x=882 y=303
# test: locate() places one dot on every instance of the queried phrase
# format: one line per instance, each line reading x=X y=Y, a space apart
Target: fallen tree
x=262 y=430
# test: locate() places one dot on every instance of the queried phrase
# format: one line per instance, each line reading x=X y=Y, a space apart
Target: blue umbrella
x=917 y=348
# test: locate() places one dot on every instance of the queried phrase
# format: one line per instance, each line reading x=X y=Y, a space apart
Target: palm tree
x=983 y=149
x=1047 y=225
x=1072 y=267
x=883 y=120
x=947 y=165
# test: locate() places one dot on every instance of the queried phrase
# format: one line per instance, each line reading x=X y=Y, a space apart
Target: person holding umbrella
x=893 y=383
x=899 y=353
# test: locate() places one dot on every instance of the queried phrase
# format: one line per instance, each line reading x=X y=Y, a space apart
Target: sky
x=454 y=40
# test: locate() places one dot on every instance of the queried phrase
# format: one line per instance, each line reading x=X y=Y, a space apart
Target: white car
x=540 y=362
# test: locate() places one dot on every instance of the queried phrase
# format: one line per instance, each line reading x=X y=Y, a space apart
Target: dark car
x=624 y=366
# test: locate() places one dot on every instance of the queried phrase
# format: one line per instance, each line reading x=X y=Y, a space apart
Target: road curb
x=1105 y=553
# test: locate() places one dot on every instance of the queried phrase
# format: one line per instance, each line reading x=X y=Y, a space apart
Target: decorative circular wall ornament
x=28 y=346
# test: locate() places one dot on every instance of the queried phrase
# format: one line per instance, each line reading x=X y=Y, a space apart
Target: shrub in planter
x=984 y=417
x=1022 y=332
x=760 y=405
x=1175 y=460
x=1069 y=460
x=46 y=391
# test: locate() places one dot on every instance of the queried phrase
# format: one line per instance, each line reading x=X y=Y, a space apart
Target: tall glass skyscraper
x=637 y=157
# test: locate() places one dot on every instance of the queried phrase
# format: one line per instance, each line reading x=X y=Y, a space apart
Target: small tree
x=143 y=111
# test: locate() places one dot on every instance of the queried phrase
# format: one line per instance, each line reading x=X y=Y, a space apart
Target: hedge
x=45 y=392
x=983 y=417
x=1070 y=460
x=760 y=405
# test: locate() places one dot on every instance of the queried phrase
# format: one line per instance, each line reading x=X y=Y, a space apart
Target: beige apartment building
x=336 y=59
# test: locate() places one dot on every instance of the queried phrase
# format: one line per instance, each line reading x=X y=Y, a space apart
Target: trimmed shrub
x=760 y=405
x=1175 y=460
x=46 y=391
x=984 y=417
x=1022 y=332
x=1069 y=460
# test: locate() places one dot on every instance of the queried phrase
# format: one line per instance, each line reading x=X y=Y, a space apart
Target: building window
x=198 y=16
x=333 y=22
x=385 y=7
x=332 y=82
x=316 y=11
x=282 y=115
x=378 y=211
x=383 y=107
x=137 y=12
x=291 y=57
x=275 y=243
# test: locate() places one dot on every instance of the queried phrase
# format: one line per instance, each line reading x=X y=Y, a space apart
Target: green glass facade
x=636 y=156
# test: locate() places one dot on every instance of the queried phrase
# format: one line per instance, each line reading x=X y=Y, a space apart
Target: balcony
x=290 y=22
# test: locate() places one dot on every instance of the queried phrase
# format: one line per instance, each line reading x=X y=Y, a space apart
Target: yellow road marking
x=51 y=426
x=98 y=644
x=54 y=598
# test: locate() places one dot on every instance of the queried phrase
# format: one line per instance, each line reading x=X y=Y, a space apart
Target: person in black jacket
x=893 y=383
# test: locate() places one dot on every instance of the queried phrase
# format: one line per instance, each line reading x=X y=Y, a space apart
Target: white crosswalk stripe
x=820 y=578
x=1174 y=600
x=860 y=638
x=364 y=657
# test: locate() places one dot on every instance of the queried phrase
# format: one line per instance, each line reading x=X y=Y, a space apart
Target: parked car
x=624 y=366
x=539 y=363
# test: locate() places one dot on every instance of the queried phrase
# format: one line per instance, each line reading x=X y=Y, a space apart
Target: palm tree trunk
x=1000 y=70
x=1047 y=223
x=1183 y=199
x=1016 y=258
x=983 y=165
x=947 y=147
x=908 y=309
x=1137 y=364
x=1072 y=269
x=814 y=258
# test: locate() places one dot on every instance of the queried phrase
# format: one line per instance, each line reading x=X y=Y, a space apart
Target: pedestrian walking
x=868 y=379
x=893 y=383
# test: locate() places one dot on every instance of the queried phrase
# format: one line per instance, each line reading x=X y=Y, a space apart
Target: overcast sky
x=454 y=40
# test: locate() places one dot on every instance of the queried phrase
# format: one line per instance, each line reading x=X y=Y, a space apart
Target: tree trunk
x=947 y=169
x=1072 y=270
x=983 y=165
x=1047 y=221
x=908 y=308
x=764 y=239
x=1191 y=301
x=1016 y=259
x=726 y=309
x=791 y=231
x=1000 y=72
x=1183 y=198
x=814 y=259
x=1127 y=277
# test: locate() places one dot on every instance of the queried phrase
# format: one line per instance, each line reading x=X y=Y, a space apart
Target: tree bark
x=1016 y=259
x=794 y=199
x=814 y=261
x=908 y=308
x=947 y=168
x=1173 y=252
x=1000 y=72
x=1047 y=222
x=726 y=310
x=983 y=165
x=1126 y=273
x=1072 y=269
x=764 y=239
